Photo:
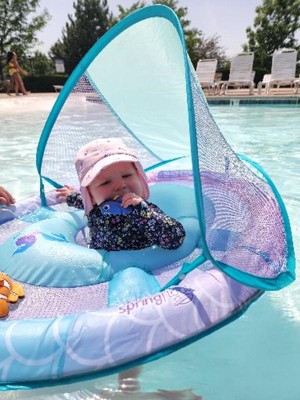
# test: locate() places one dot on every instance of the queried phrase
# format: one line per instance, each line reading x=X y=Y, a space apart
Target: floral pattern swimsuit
x=146 y=225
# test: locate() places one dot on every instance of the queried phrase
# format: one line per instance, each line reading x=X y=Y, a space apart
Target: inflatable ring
x=69 y=303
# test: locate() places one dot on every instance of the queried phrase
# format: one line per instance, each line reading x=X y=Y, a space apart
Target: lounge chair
x=264 y=82
x=283 y=69
x=241 y=73
x=58 y=88
x=206 y=71
x=297 y=85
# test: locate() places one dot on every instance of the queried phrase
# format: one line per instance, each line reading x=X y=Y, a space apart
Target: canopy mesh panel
x=245 y=206
x=84 y=117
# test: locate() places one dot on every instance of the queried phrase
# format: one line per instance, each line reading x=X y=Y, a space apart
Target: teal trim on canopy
x=162 y=163
x=195 y=162
x=281 y=281
x=52 y=182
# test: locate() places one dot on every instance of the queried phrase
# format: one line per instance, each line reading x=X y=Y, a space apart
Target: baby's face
x=115 y=180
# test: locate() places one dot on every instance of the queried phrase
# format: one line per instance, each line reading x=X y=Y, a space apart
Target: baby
x=109 y=172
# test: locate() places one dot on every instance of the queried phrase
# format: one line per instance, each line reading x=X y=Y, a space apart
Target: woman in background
x=14 y=72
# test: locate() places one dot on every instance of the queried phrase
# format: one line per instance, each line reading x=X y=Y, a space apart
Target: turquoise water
x=256 y=357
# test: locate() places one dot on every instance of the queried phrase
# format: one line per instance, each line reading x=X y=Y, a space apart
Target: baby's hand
x=130 y=199
x=5 y=197
x=64 y=192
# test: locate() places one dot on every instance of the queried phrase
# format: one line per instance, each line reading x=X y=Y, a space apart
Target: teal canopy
x=138 y=83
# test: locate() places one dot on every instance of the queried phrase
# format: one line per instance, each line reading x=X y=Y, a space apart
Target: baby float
x=89 y=313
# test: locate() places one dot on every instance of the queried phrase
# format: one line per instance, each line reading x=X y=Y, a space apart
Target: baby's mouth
x=120 y=194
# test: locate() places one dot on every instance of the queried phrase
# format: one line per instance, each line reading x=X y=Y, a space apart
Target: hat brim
x=104 y=163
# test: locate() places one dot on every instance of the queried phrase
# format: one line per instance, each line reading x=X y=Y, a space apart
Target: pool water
x=256 y=357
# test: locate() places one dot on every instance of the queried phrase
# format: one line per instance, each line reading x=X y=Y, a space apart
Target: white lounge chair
x=263 y=83
x=206 y=71
x=241 y=73
x=297 y=85
x=58 y=88
x=283 y=69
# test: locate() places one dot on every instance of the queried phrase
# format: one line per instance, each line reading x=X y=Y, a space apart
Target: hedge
x=43 y=84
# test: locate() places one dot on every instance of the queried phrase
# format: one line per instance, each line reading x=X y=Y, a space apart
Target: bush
x=259 y=75
x=42 y=84
x=225 y=73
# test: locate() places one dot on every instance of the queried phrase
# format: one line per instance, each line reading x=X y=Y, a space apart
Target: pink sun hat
x=97 y=155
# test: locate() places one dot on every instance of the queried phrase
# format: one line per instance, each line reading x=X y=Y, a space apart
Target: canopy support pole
x=186 y=268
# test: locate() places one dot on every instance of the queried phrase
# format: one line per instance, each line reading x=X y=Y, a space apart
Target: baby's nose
x=120 y=183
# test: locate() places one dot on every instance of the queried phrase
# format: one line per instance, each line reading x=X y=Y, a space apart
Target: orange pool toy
x=9 y=293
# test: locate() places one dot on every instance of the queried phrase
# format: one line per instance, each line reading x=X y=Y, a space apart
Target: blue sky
x=225 y=18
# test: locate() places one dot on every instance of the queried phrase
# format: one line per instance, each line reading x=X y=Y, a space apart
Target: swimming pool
x=257 y=356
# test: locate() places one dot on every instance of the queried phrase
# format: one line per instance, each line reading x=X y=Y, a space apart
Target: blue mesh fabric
x=246 y=209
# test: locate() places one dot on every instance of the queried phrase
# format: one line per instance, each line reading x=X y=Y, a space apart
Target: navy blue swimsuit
x=146 y=225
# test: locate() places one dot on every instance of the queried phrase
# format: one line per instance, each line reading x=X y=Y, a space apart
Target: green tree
x=210 y=48
x=19 y=25
x=58 y=51
x=123 y=12
x=198 y=46
x=274 y=27
x=41 y=65
x=92 y=19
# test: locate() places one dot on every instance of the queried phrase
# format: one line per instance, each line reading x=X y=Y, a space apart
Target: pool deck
x=241 y=96
x=41 y=95
x=235 y=96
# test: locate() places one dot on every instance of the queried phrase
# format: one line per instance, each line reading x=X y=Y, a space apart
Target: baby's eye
x=104 y=183
x=127 y=175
